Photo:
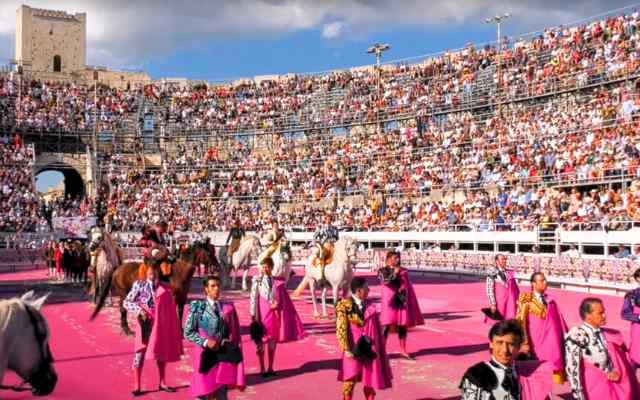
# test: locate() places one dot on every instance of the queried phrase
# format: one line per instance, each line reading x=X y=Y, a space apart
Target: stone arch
x=74 y=185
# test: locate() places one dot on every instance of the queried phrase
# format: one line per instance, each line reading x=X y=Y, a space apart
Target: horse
x=105 y=258
x=123 y=278
x=24 y=344
x=204 y=256
x=249 y=249
x=338 y=273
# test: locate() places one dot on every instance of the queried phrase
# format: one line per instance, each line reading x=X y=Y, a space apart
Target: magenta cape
x=546 y=336
x=506 y=297
x=536 y=379
x=634 y=343
x=375 y=373
x=595 y=382
x=165 y=341
x=409 y=315
x=223 y=373
x=281 y=324
x=291 y=328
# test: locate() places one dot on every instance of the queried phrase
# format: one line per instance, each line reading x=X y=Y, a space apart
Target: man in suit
x=213 y=327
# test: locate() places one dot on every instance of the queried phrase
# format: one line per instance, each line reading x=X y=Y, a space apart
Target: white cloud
x=332 y=30
x=125 y=33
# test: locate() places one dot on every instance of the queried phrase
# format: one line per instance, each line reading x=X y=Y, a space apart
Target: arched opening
x=57 y=63
x=58 y=181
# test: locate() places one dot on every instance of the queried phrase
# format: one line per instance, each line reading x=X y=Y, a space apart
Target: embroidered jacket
x=140 y=297
x=529 y=303
x=585 y=343
x=261 y=286
x=490 y=381
x=348 y=312
x=202 y=316
x=326 y=234
x=495 y=276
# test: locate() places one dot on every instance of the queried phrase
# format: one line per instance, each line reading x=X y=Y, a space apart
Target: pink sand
x=94 y=359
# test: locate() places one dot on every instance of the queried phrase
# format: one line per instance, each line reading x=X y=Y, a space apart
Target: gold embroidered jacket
x=346 y=313
x=528 y=303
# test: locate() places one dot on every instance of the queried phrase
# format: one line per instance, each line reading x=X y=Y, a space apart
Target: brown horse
x=123 y=278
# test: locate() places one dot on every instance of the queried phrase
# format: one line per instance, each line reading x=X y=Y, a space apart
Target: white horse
x=241 y=259
x=281 y=261
x=24 y=344
x=338 y=274
x=105 y=257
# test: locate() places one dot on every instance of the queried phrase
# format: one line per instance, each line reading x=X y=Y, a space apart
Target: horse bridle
x=46 y=358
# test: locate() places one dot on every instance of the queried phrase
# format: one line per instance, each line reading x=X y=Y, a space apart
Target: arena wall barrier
x=13 y=260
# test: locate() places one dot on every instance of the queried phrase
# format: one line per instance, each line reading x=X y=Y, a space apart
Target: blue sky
x=227 y=39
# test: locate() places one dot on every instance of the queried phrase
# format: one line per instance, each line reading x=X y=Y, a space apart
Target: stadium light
x=498 y=20
x=378 y=49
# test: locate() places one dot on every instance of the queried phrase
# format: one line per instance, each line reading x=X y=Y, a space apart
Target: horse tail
x=103 y=296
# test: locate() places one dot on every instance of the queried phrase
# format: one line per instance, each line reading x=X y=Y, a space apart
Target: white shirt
x=540 y=296
x=499 y=392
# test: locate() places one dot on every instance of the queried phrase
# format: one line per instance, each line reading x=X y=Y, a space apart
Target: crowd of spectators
x=19 y=202
x=545 y=162
x=51 y=106
x=558 y=59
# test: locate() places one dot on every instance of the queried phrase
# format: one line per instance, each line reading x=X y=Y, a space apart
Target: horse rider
x=235 y=236
x=155 y=249
x=273 y=237
x=324 y=239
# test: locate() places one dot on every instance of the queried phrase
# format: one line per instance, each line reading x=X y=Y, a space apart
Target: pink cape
x=506 y=297
x=634 y=343
x=410 y=315
x=291 y=328
x=536 y=379
x=596 y=384
x=546 y=336
x=223 y=373
x=165 y=342
x=375 y=373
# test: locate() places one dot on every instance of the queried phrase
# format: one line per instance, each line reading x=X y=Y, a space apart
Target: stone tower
x=50 y=41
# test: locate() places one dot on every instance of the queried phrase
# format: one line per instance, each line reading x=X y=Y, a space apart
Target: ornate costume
x=215 y=371
x=399 y=302
x=158 y=337
x=490 y=381
x=592 y=353
x=359 y=332
x=324 y=239
x=502 y=292
x=282 y=324
x=544 y=329
x=631 y=313
x=235 y=236
x=526 y=380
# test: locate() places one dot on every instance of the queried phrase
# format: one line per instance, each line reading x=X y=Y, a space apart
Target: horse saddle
x=328 y=250
x=166 y=268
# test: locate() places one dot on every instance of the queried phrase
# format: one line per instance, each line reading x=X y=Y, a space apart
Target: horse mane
x=340 y=252
x=10 y=307
x=7 y=309
x=110 y=249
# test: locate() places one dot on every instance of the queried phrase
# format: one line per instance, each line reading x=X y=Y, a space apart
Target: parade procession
x=187 y=213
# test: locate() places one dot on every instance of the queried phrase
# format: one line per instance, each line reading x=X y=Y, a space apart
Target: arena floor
x=93 y=359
